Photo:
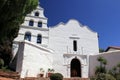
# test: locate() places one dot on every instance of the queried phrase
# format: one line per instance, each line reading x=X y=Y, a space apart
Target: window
x=27 y=36
x=39 y=24
x=39 y=39
x=31 y=23
x=36 y=13
x=75 y=45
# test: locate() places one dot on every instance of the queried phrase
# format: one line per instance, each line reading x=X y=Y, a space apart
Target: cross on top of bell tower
x=39 y=5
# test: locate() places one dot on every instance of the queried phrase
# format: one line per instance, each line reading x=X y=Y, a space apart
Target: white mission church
x=70 y=49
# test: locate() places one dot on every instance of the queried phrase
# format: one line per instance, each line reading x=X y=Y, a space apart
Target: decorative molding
x=37 y=17
x=71 y=55
x=35 y=35
x=74 y=37
x=35 y=28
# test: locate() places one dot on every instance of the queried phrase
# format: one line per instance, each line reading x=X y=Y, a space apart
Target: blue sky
x=102 y=16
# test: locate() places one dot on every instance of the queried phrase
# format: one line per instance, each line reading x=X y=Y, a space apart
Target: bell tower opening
x=75 y=68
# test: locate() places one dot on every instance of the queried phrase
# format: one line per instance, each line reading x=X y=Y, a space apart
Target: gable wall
x=61 y=39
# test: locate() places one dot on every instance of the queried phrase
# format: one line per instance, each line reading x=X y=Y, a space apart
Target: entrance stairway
x=73 y=78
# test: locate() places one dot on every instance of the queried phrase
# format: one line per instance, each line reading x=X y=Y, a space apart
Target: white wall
x=61 y=42
x=33 y=58
x=63 y=35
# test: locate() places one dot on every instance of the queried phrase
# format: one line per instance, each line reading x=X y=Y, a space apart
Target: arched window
x=75 y=45
x=39 y=24
x=31 y=23
x=36 y=13
x=27 y=36
x=39 y=39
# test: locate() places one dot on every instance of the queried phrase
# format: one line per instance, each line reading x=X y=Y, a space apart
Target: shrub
x=92 y=78
x=103 y=76
x=56 y=76
x=118 y=77
x=109 y=77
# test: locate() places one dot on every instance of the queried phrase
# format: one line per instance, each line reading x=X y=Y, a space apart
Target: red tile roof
x=113 y=47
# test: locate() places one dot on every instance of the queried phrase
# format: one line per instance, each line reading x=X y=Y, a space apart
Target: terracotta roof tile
x=113 y=47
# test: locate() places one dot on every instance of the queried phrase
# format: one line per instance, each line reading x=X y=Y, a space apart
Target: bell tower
x=34 y=28
x=37 y=16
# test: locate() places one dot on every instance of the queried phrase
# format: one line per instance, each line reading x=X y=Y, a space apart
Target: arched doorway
x=75 y=68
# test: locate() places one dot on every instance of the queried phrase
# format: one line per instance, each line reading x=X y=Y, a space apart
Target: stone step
x=10 y=74
x=3 y=78
x=74 y=78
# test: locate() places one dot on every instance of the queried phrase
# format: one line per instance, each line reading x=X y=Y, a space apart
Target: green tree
x=12 y=13
x=101 y=50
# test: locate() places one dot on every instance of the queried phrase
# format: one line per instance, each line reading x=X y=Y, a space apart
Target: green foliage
x=5 y=69
x=102 y=67
x=103 y=76
x=118 y=76
x=118 y=65
x=56 y=76
x=101 y=50
x=104 y=61
x=1 y=63
x=109 y=77
x=50 y=70
x=101 y=72
x=12 y=13
x=113 y=71
x=100 y=58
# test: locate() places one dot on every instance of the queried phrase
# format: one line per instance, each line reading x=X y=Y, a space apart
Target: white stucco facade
x=61 y=40
x=65 y=47
x=31 y=58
